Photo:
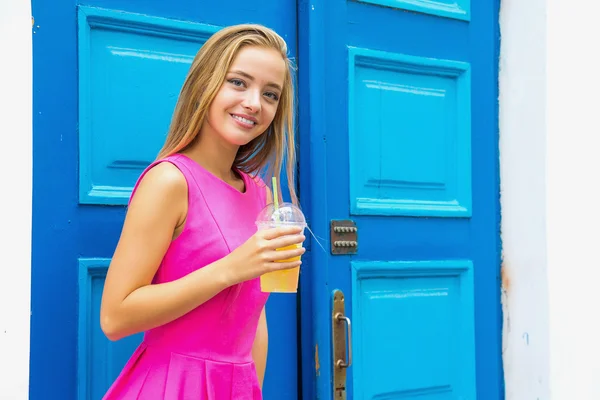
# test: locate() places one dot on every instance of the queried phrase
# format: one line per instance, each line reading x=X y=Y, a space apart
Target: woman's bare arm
x=130 y=304
x=260 y=347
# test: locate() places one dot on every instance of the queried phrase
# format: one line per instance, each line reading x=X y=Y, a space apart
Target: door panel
x=403 y=141
x=107 y=74
x=129 y=64
x=413 y=329
x=410 y=116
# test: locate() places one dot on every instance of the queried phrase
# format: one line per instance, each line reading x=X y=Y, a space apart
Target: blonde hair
x=265 y=153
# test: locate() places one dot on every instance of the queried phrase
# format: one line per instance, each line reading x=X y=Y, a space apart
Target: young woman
x=187 y=266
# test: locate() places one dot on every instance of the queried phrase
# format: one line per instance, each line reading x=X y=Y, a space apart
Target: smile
x=243 y=120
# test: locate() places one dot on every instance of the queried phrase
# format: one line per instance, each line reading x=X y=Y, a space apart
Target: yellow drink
x=283 y=281
x=290 y=247
x=275 y=215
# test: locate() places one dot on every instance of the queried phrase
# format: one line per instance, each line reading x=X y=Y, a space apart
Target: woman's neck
x=214 y=156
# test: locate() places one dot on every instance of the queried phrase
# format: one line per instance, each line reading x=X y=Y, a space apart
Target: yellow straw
x=275 y=194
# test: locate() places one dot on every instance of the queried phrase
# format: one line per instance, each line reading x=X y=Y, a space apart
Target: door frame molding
x=315 y=340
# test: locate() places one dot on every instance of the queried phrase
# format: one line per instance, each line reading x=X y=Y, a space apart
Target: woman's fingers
x=276 y=266
x=274 y=233
x=279 y=255
x=286 y=241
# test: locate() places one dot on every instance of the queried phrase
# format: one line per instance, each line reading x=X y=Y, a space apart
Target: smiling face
x=247 y=101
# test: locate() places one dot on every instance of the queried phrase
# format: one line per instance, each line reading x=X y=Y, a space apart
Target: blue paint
x=73 y=241
x=412 y=117
x=459 y=9
x=98 y=120
x=120 y=57
x=423 y=312
x=308 y=370
x=99 y=361
x=419 y=224
x=314 y=296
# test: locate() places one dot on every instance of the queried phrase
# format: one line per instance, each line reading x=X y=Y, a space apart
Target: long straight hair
x=265 y=154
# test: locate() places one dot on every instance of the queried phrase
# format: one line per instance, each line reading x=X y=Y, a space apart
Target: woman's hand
x=259 y=254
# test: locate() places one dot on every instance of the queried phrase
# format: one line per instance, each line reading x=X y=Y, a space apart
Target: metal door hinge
x=344 y=237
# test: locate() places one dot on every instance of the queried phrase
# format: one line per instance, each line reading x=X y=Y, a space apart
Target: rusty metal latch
x=344 y=237
x=342 y=345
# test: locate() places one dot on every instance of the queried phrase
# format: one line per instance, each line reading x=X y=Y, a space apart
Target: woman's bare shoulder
x=164 y=184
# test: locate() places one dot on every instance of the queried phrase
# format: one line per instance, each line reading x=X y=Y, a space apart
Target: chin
x=239 y=140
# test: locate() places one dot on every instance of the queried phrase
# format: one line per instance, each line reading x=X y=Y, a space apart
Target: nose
x=252 y=101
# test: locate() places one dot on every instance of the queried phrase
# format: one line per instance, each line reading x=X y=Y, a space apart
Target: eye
x=236 y=82
x=272 y=96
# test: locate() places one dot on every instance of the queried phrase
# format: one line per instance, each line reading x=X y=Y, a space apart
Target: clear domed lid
x=285 y=214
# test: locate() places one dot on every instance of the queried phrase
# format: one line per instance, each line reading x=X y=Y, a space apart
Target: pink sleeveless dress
x=205 y=354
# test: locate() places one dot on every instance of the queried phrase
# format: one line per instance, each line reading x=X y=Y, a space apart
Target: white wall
x=15 y=197
x=523 y=198
x=573 y=198
x=550 y=165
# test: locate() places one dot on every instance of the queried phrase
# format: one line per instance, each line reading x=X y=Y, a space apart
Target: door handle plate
x=342 y=345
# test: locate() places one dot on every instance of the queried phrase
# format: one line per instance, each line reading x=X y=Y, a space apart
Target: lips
x=245 y=121
x=245 y=118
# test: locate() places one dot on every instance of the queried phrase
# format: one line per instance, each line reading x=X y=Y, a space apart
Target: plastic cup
x=287 y=214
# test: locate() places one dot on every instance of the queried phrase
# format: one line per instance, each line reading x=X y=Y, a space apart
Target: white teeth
x=244 y=120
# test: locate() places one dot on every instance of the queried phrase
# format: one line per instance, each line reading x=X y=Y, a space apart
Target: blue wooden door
x=107 y=74
x=401 y=128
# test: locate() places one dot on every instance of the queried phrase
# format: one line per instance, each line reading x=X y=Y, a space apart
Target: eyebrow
x=250 y=77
